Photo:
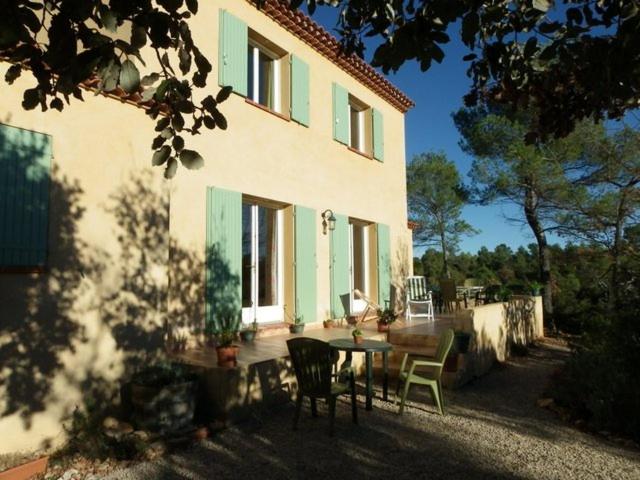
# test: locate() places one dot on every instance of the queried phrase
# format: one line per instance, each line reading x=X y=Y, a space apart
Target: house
x=299 y=202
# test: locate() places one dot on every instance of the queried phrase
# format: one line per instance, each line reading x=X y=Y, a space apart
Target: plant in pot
x=248 y=334
x=296 y=324
x=163 y=398
x=385 y=318
x=225 y=336
x=536 y=288
x=358 y=337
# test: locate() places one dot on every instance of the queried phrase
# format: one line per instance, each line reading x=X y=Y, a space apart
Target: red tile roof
x=327 y=45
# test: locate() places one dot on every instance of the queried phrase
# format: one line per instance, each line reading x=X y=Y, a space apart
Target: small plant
x=535 y=287
x=356 y=332
x=386 y=316
x=249 y=332
x=227 y=331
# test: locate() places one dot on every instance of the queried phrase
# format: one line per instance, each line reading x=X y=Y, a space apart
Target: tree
x=436 y=197
x=69 y=44
x=604 y=200
x=542 y=54
x=534 y=177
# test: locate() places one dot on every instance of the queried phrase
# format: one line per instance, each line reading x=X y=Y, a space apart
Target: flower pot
x=296 y=328
x=358 y=339
x=383 y=327
x=248 y=336
x=227 y=356
x=26 y=470
x=329 y=324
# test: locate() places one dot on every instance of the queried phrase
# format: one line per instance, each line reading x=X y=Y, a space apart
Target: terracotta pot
x=227 y=356
x=26 y=470
x=383 y=327
x=358 y=339
x=296 y=328
x=329 y=324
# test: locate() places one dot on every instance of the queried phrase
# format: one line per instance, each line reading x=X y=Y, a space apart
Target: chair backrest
x=417 y=289
x=444 y=345
x=448 y=290
x=311 y=359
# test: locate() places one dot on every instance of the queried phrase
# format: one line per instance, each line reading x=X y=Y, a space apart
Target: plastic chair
x=312 y=363
x=418 y=295
x=430 y=379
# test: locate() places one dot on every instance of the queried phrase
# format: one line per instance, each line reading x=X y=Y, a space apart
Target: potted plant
x=385 y=318
x=248 y=334
x=329 y=323
x=536 y=288
x=225 y=336
x=358 y=338
x=296 y=324
x=460 y=342
x=163 y=398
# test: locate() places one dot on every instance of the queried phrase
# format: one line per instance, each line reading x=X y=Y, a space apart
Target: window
x=262 y=285
x=357 y=126
x=264 y=80
x=25 y=161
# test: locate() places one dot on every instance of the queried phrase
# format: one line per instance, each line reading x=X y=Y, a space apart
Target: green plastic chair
x=430 y=379
x=312 y=362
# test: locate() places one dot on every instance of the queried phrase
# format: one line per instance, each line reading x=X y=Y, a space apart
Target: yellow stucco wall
x=101 y=305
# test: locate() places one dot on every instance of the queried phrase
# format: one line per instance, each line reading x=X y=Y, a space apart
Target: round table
x=369 y=347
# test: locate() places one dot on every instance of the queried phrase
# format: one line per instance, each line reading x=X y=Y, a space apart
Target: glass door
x=262 y=293
x=359 y=264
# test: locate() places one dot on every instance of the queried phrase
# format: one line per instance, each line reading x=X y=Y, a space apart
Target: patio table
x=369 y=347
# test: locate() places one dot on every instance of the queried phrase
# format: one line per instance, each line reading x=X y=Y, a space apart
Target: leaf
x=129 y=77
x=177 y=143
x=13 y=72
x=162 y=124
x=223 y=94
x=172 y=168
x=161 y=156
x=158 y=142
x=57 y=104
x=209 y=103
x=108 y=18
x=530 y=47
x=138 y=37
x=31 y=98
x=469 y=57
x=150 y=79
x=184 y=61
x=191 y=159
x=220 y=120
x=192 y=5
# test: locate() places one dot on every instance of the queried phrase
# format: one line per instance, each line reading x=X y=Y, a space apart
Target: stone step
x=411 y=339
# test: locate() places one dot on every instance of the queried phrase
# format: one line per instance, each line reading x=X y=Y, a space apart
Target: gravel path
x=493 y=429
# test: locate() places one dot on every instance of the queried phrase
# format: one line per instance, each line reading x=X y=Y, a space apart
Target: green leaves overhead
x=72 y=52
x=570 y=59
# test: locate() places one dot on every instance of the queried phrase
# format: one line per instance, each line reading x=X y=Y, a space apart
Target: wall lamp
x=328 y=221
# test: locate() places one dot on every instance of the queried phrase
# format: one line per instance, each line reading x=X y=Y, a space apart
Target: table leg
x=369 y=367
x=385 y=375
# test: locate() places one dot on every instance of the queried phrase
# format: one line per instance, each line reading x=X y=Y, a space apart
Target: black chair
x=312 y=362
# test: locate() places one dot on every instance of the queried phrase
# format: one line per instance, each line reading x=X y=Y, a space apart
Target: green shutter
x=223 y=254
x=232 y=53
x=340 y=279
x=25 y=164
x=378 y=136
x=305 y=263
x=384 y=265
x=299 y=91
x=340 y=114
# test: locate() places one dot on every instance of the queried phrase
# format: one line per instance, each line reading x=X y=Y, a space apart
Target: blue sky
x=437 y=93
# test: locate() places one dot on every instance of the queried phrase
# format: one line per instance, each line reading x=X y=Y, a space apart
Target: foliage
x=542 y=54
x=68 y=44
x=386 y=316
x=356 y=332
x=436 y=196
x=227 y=330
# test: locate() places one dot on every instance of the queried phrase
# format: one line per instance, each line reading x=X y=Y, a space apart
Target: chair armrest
x=411 y=354
x=426 y=363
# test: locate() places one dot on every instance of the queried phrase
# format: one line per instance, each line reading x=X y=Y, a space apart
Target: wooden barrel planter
x=163 y=399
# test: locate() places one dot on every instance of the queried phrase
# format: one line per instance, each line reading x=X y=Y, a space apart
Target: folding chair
x=418 y=296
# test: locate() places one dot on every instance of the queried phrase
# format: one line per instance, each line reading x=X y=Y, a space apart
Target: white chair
x=419 y=299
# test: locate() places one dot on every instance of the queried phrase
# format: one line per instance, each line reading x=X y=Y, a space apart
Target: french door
x=262 y=264
x=359 y=263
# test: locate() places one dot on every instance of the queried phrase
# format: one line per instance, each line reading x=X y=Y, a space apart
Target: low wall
x=496 y=329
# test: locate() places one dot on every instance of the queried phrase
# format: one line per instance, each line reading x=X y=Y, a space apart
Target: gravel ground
x=492 y=429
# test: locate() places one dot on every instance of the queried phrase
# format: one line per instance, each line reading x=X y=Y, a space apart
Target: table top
x=366 y=345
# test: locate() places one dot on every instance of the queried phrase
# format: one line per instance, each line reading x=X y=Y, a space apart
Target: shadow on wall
x=400 y=273
x=37 y=327
x=519 y=313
